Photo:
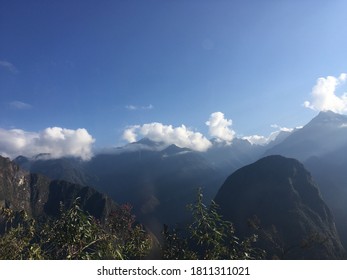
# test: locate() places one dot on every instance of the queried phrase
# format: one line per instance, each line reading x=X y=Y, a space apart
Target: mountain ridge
x=321 y=135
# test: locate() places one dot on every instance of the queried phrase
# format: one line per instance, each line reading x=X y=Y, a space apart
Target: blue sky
x=105 y=66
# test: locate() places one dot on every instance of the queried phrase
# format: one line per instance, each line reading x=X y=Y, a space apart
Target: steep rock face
x=92 y=201
x=39 y=196
x=14 y=186
x=67 y=169
x=279 y=195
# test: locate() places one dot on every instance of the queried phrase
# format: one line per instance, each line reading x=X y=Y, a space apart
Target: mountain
x=278 y=196
x=282 y=135
x=40 y=196
x=158 y=183
x=67 y=169
x=321 y=145
x=329 y=171
x=323 y=134
x=158 y=180
x=14 y=186
x=228 y=158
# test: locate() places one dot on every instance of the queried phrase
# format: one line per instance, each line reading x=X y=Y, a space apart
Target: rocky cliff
x=40 y=196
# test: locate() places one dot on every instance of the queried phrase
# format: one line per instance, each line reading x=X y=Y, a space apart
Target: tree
x=208 y=236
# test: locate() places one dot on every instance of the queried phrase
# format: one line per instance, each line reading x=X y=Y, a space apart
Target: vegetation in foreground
x=208 y=237
x=76 y=235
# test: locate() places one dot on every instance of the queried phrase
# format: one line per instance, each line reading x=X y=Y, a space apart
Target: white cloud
x=8 y=66
x=131 y=107
x=20 y=105
x=56 y=141
x=158 y=132
x=134 y=108
x=219 y=127
x=282 y=128
x=264 y=140
x=256 y=139
x=324 y=96
x=130 y=133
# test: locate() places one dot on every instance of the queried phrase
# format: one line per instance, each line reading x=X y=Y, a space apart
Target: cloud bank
x=264 y=140
x=324 y=96
x=56 y=141
x=181 y=136
x=158 y=132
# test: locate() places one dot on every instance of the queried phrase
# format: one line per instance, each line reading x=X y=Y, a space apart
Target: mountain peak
x=174 y=149
x=280 y=193
x=148 y=142
x=327 y=113
x=329 y=116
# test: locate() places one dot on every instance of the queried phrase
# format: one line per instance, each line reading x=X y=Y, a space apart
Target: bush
x=73 y=235
x=208 y=237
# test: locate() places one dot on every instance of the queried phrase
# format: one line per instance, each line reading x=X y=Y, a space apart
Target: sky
x=81 y=75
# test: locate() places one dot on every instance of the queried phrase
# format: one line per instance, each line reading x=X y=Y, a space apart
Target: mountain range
x=160 y=180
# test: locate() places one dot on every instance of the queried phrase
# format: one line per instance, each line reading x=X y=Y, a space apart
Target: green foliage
x=73 y=235
x=208 y=237
x=131 y=238
x=76 y=235
x=20 y=231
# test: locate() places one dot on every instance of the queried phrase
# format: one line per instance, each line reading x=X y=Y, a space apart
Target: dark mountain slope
x=322 y=147
x=280 y=193
x=40 y=196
